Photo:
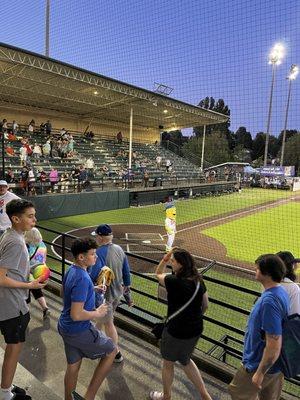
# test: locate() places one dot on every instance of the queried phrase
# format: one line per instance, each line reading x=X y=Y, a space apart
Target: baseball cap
x=102 y=230
x=287 y=257
x=3 y=183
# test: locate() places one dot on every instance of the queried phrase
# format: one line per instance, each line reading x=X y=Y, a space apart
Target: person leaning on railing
x=181 y=333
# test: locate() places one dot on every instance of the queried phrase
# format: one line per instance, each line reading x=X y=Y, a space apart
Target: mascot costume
x=170 y=224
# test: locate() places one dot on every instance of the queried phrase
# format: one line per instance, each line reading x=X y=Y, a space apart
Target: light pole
x=202 y=151
x=47 y=32
x=275 y=58
x=294 y=70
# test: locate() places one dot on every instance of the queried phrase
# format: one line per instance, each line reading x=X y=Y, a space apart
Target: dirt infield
x=149 y=240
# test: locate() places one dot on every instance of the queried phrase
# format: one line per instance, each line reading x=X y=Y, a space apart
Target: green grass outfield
x=267 y=231
x=187 y=210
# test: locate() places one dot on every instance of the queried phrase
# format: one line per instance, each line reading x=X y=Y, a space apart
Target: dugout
x=158 y=195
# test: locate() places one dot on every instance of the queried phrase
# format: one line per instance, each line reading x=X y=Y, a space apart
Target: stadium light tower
x=294 y=70
x=47 y=32
x=275 y=58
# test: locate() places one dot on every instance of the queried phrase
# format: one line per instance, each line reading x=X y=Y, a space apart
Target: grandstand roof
x=33 y=82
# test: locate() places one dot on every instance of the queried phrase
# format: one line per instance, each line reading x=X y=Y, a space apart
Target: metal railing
x=232 y=292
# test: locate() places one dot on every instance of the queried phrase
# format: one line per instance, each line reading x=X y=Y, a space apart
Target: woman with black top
x=182 y=332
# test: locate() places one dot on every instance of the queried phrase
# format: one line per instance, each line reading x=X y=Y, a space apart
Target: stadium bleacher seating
x=105 y=151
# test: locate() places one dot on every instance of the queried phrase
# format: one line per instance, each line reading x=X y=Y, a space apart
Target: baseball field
x=234 y=228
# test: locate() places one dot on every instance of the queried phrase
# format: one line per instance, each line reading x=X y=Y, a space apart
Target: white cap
x=3 y=183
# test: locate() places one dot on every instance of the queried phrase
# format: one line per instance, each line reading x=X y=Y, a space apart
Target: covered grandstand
x=32 y=85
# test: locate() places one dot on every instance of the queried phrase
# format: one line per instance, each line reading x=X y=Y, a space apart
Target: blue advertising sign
x=273 y=170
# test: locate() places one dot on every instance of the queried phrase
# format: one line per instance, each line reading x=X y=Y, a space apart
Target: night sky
x=199 y=48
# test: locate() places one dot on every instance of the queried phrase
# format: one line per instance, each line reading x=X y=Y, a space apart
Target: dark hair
x=186 y=260
x=271 y=265
x=17 y=207
x=82 y=246
x=289 y=262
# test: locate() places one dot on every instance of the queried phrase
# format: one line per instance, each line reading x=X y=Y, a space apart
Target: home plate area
x=144 y=242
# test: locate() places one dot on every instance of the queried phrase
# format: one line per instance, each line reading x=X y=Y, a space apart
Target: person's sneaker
x=46 y=313
x=18 y=396
x=119 y=358
x=18 y=390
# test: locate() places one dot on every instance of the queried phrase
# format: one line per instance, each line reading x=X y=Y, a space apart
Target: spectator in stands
x=14 y=274
x=75 y=177
x=168 y=164
x=42 y=179
x=112 y=255
x=90 y=165
x=4 y=125
x=29 y=149
x=146 y=179
x=82 y=176
x=9 y=176
x=288 y=282
x=119 y=137
x=81 y=338
x=143 y=166
x=46 y=149
x=262 y=343
x=23 y=155
x=24 y=179
x=37 y=152
x=42 y=128
x=134 y=156
x=64 y=181
x=31 y=182
x=48 y=128
x=9 y=151
x=182 y=333
x=37 y=251
x=71 y=144
x=53 y=178
x=31 y=127
x=15 y=127
x=158 y=161
x=64 y=149
x=62 y=133
x=11 y=137
x=105 y=170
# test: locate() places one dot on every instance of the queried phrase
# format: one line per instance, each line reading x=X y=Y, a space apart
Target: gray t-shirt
x=114 y=260
x=13 y=257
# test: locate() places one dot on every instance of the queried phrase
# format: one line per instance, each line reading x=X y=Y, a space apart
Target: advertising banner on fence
x=273 y=170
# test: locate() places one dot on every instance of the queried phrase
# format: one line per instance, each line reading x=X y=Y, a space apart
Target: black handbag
x=158 y=328
x=290 y=351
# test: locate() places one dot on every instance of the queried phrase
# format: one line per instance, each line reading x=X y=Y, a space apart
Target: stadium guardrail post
x=63 y=256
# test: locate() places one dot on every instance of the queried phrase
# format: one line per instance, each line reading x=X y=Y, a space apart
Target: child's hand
x=37 y=284
x=100 y=288
x=102 y=310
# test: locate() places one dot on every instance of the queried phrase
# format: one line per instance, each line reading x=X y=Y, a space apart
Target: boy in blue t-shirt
x=81 y=338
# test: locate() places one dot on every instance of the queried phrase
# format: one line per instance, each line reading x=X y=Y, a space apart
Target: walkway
x=43 y=363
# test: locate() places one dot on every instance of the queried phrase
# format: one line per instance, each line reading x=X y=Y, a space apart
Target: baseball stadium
x=90 y=147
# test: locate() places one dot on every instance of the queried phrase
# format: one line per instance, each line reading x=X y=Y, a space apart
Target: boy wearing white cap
x=5 y=197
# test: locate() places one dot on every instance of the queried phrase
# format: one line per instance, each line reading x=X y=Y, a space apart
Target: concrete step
x=35 y=388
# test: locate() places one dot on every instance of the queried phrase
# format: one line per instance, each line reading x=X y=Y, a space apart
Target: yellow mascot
x=170 y=224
